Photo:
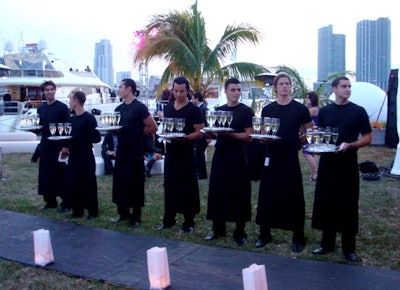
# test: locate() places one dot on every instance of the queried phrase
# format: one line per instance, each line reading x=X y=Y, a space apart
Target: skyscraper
x=373 y=58
x=103 y=62
x=331 y=52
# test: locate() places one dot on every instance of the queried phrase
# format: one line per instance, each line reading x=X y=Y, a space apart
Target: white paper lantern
x=158 y=268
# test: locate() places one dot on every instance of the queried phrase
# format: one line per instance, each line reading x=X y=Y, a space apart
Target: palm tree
x=179 y=38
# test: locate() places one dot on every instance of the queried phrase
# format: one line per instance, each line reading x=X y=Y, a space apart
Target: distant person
x=338 y=184
x=109 y=151
x=313 y=107
x=180 y=181
x=51 y=172
x=129 y=174
x=200 y=145
x=281 y=196
x=229 y=194
x=81 y=183
x=151 y=153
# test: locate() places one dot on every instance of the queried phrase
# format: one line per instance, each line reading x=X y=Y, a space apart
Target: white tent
x=371 y=97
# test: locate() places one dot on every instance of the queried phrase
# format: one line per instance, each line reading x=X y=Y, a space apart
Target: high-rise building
x=373 y=58
x=123 y=75
x=103 y=62
x=331 y=52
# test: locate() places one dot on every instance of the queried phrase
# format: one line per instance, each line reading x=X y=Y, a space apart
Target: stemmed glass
x=168 y=125
x=218 y=115
x=67 y=128
x=179 y=124
x=267 y=125
x=229 y=118
x=275 y=123
x=52 y=128
x=257 y=124
x=335 y=135
x=211 y=118
x=224 y=115
x=117 y=118
x=60 y=128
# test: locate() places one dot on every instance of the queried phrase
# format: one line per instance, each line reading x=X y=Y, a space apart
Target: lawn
x=377 y=242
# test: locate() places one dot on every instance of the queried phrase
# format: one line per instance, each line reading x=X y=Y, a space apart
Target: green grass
x=377 y=242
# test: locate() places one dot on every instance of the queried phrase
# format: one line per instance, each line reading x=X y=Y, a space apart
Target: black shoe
x=119 y=219
x=74 y=216
x=162 y=227
x=134 y=224
x=240 y=241
x=64 y=210
x=47 y=206
x=261 y=242
x=214 y=236
x=187 y=230
x=351 y=257
x=321 y=251
x=297 y=248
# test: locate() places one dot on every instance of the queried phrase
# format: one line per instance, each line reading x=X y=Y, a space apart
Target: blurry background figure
x=312 y=105
x=109 y=151
x=200 y=145
x=151 y=153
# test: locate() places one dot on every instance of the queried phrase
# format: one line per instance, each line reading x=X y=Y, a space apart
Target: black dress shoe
x=297 y=248
x=75 y=216
x=240 y=241
x=321 y=251
x=187 y=230
x=260 y=243
x=134 y=224
x=47 y=206
x=162 y=227
x=119 y=219
x=351 y=257
x=214 y=236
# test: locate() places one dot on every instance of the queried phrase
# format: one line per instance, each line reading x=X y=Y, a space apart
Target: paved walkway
x=121 y=258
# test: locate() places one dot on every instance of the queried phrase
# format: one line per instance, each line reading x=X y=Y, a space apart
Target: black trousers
x=124 y=212
x=200 y=148
x=219 y=229
x=348 y=241
x=169 y=220
x=297 y=238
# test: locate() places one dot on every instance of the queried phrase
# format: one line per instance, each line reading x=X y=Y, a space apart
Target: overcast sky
x=290 y=28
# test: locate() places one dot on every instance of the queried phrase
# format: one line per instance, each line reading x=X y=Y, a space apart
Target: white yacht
x=23 y=72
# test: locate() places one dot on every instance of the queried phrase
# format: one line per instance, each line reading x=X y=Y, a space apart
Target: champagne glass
x=117 y=118
x=223 y=118
x=52 y=128
x=256 y=124
x=67 y=128
x=229 y=118
x=275 y=123
x=309 y=135
x=60 y=128
x=169 y=125
x=327 y=135
x=335 y=135
x=218 y=115
x=179 y=125
x=267 y=125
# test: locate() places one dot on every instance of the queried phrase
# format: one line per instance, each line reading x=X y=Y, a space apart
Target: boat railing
x=47 y=73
